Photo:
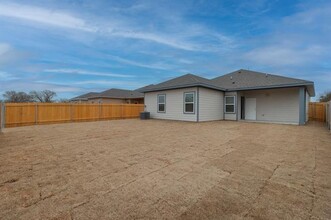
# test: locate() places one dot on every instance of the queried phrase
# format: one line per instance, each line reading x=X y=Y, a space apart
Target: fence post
x=2 y=116
x=71 y=113
x=36 y=113
x=99 y=111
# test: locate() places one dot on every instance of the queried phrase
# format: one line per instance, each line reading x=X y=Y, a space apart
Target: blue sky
x=73 y=47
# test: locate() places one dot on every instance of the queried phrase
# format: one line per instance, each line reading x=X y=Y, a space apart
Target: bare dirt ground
x=132 y=169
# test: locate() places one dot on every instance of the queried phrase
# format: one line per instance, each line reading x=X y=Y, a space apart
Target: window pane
x=229 y=100
x=229 y=108
x=161 y=107
x=161 y=99
x=189 y=107
x=189 y=97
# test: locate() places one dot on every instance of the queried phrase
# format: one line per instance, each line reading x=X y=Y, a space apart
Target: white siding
x=307 y=106
x=174 y=105
x=210 y=104
x=231 y=116
x=276 y=105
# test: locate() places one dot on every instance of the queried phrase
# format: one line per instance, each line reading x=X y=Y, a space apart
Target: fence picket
x=317 y=111
x=20 y=114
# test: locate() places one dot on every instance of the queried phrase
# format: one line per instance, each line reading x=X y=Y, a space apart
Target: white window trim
x=186 y=93
x=234 y=104
x=158 y=103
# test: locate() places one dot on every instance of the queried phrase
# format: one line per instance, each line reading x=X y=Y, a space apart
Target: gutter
x=275 y=86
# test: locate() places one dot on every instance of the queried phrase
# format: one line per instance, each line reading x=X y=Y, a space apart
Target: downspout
x=198 y=104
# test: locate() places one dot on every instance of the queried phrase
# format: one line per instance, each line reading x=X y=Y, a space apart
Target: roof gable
x=186 y=80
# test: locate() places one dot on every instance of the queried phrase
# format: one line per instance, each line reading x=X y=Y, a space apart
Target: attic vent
x=233 y=82
x=231 y=77
x=239 y=71
x=266 y=75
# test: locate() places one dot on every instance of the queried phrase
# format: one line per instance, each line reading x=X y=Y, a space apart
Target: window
x=189 y=102
x=161 y=100
x=229 y=104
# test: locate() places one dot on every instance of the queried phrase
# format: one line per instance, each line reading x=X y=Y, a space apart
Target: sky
x=78 y=46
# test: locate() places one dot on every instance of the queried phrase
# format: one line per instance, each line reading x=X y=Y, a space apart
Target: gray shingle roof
x=237 y=80
x=85 y=96
x=119 y=94
x=144 y=88
x=184 y=81
x=242 y=79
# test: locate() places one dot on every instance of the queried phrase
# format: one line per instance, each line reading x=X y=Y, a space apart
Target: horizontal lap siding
x=174 y=105
x=210 y=104
x=276 y=105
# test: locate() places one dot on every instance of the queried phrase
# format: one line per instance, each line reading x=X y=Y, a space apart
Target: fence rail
x=22 y=114
x=317 y=111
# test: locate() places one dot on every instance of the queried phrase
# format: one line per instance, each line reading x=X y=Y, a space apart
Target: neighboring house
x=240 y=95
x=83 y=98
x=119 y=96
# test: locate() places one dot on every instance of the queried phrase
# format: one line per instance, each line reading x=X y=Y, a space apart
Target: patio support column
x=302 y=106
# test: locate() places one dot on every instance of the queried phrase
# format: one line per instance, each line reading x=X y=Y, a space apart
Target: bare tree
x=13 y=96
x=325 y=97
x=43 y=96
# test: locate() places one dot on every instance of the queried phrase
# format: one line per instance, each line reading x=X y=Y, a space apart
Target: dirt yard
x=132 y=169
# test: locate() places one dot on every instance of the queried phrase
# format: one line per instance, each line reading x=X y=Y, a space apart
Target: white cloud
x=86 y=72
x=45 y=16
x=282 y=55
x=4 y=48
x=8 y=55
x=124 y=28
x=158 y=38
x=109 y=83
x=4 y=76
x=27 y=86
x=161 y=66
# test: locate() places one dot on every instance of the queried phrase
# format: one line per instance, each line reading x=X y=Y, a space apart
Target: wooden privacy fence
x=317 y=111
x=21 y=114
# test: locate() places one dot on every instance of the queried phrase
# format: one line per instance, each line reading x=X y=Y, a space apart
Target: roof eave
x=309 y=85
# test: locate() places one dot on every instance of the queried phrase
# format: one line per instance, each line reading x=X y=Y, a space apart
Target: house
x=83 y=98
x=239 y=95
x=118 y=96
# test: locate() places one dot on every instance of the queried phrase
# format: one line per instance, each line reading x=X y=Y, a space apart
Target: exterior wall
x=174 y=109
x=210 y=104
x=231 y=116
x=276 y=105
x=307 y=106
